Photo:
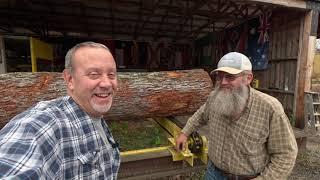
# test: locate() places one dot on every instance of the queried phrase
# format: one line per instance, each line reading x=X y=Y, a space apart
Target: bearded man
x=249 y=134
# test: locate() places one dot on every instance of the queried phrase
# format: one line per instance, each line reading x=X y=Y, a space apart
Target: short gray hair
x=69 y=56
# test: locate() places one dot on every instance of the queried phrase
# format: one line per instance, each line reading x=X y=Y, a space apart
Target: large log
x=141 y=94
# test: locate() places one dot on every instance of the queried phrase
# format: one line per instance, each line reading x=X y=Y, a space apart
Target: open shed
x=204 y=29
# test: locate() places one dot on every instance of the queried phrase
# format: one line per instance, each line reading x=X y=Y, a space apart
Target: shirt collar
x=250 y=100
x=82 y=121
x=78 y=116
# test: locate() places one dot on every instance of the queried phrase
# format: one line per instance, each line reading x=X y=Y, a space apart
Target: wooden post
x=308 y=32
x=285 y=3
x=3 y=67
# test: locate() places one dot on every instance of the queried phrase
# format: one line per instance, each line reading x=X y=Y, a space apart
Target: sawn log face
x=140 y=94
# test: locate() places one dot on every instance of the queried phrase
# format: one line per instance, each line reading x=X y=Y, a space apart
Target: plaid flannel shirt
x=56 y=140
x=261 y=141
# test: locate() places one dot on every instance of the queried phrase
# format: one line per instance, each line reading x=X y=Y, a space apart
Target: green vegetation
x=138 y=134
x=291 y=119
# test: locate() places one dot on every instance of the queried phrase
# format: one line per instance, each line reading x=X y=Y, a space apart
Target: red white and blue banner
x=258 y=41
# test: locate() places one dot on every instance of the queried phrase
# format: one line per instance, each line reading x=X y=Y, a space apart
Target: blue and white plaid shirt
x=56 y=140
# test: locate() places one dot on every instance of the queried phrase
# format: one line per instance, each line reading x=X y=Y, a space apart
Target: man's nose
x=224 y=80
x=105 y=81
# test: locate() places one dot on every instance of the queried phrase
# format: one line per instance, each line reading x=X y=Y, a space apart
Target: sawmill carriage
x=163 y=51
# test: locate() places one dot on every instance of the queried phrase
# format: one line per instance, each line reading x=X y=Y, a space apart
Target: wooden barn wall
x=279 y=78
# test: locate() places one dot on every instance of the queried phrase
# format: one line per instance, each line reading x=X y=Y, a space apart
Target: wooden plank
x=282 y=75
x=285 y=102
x=289 y=44
x=3 y=65
x=290 y=80
x=295 y=43
x=309 y=112
x=315 y=19
x=274 y=74
x=304 y=52
x=293 y=27
x=305 y=29
x=283 y=38
x=281 y=98
x=309 y=63
x=279 y=41
x=293 y=75
x=272 y=77
x=269 y=74
x=287 y=76
x=288 y=98
x=275 y=91
x=277 y=75
x=271 y=46
x=291 y=101
x=274 y=46
x=278 y=45
x=286 y=3
x=265 y=78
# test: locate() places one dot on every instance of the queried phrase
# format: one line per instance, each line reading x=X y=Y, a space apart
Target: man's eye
x=230 y=76
x=112 y=75
x=93 y=75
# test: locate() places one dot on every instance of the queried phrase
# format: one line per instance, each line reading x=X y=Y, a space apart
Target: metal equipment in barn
x=291 y=35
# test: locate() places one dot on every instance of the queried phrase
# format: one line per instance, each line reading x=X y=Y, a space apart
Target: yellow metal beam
x=182 y=155
x=169 y=126
x=142 y=154
x=170 y=150
x=186 y=154
x=39 y=49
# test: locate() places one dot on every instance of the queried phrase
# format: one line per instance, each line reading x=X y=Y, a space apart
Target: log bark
x=141 y=94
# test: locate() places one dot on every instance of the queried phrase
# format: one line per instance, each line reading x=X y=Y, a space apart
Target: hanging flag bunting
x=264 y=27
x=258 y=41
x=237 y=38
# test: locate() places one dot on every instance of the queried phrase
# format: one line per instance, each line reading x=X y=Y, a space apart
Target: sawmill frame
x=174 y=21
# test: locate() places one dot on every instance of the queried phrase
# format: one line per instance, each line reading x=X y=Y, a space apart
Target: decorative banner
x=236 y=38
x=264 y=27
x=258 y=41
x=220 y=46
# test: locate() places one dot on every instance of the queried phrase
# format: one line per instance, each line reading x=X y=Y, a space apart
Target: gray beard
x=229 y=104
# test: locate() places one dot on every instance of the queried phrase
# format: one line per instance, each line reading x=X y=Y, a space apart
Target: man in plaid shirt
x=67 y=138
x=249 y=134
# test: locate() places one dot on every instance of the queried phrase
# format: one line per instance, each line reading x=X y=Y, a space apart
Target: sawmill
x=164 y=51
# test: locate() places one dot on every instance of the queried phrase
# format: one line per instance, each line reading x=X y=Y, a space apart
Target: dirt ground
x=308 y=161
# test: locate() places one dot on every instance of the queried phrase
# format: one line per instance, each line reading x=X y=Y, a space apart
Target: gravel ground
x=308 y=162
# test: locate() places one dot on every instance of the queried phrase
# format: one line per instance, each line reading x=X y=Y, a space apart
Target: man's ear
x=249 y=78
x=67 y=76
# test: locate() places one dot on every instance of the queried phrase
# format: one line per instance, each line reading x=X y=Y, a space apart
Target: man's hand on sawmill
x=181 y=142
